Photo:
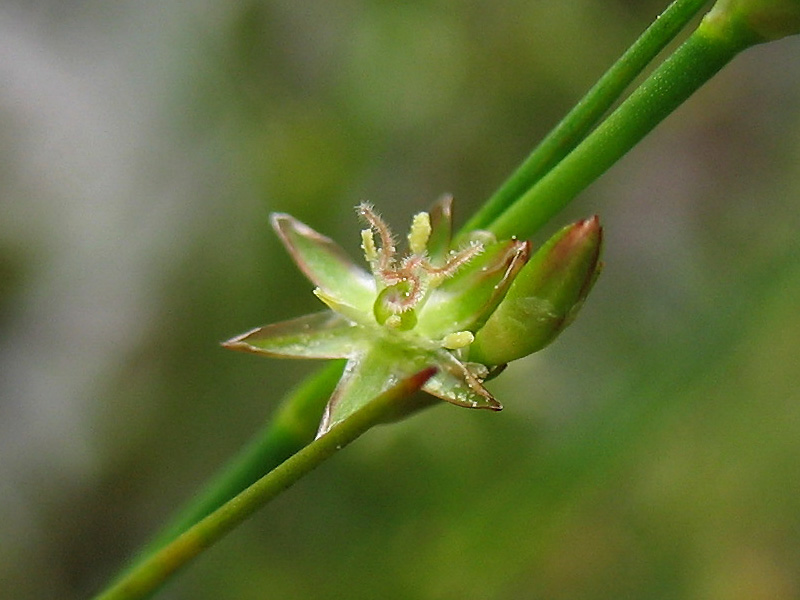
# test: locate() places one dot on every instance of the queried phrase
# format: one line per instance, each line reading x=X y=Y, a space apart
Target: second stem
x=712 y=45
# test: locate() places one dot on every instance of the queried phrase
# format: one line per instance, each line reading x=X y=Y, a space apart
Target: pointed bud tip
x=592 y=222
x=544 y=297
x=586 y=228
x=572 y=248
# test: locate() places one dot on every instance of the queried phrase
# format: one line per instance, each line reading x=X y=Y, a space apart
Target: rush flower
x=411 y=311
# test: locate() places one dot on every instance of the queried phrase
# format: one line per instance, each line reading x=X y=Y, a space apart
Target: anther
x=420 y=233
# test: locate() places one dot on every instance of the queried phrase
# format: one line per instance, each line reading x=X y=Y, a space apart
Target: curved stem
x=585 y=115
x=151 y=573
x=712 y=45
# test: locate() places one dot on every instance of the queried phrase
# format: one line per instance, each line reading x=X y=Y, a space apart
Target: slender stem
x=713 y=44
x=292 y=427
x=153 y=572
x=585 y=115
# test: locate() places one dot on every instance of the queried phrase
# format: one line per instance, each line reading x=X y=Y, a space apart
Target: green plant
x=569 y=160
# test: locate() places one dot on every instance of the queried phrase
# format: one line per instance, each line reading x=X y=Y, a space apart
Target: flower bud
x=763 y=20
x=544 y=297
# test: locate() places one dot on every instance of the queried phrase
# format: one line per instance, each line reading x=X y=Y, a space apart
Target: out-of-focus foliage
x=653 y=451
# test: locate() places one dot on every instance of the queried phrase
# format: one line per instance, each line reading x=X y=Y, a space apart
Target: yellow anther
x=457 y=339
x=393 y=322
x=419 y=234
x=368 y=245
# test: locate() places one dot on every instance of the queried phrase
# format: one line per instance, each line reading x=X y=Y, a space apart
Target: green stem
x=712 y=45
x=585 y=115
x=150 y=574
x=293 y=426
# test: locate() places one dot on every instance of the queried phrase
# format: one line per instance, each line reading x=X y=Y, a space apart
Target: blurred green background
x=652 y=452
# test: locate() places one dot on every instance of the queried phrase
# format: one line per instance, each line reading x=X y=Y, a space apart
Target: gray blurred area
x=652 y=452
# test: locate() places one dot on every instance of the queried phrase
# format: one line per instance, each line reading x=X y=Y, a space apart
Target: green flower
x=411 y=312
x=422 y=309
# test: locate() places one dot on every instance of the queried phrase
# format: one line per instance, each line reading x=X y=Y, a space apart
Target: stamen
x=368 y=246
x=458 y=339
x=419 y=233
x=387 y=252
